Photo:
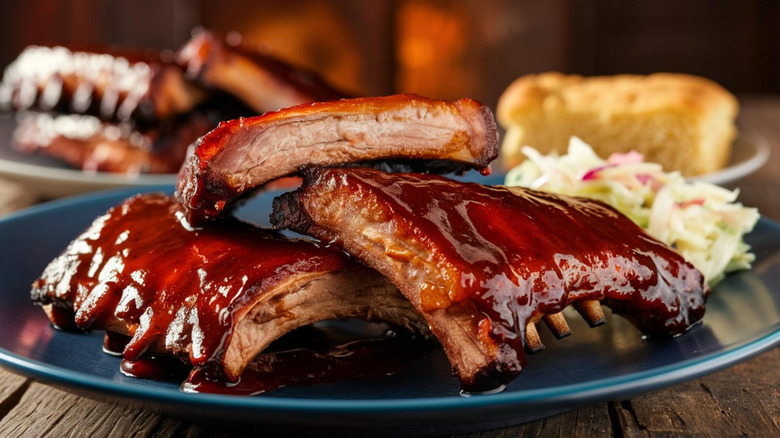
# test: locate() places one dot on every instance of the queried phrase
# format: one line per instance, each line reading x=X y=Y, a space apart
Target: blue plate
x=606 y=363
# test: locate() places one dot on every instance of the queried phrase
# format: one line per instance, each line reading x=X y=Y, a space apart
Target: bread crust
x=702 y=112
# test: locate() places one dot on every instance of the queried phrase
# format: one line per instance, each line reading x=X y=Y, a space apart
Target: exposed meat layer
x=109 y=84
x=87 y=143
x=215 y=296
x=243 y=154
x=481 y=262
x=261 y=81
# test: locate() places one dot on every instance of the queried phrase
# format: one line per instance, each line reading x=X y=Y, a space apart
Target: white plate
x=750 y=152
x=50 y=178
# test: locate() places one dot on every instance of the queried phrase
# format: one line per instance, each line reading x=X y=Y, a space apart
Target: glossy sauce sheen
x=519 y=254
x=306 y=366
x=153 y=367
x=170 y=284
x=302 y=357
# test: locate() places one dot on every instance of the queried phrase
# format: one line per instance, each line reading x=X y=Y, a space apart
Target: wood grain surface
x=743 y=400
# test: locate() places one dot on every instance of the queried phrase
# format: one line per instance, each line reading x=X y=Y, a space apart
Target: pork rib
x=215 y=297
x=243 y=154
x=484 y=263
x=107 y=83
x=261 y=81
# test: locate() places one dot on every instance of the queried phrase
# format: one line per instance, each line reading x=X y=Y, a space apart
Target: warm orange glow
x=313 y=35
x=432 y=42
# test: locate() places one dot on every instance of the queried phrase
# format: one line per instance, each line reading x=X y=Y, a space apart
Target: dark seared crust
x=241 y=155
x=476 y=366
x=288 y=213
x=488 y=122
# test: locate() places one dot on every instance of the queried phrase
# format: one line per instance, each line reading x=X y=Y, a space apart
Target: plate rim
x=57 y=174
x=745 y=168
x=590 y=391
x=582 y=392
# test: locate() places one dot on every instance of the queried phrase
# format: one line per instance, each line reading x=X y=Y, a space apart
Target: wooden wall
x=441 y=48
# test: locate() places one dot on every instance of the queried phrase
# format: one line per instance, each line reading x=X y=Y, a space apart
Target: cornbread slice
x=684 y=122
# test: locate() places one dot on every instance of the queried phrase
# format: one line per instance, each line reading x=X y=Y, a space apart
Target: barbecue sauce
x=154 y=367
x=115 y=343
x=513 y=254
x=169 y=282
x=305 y=356
x=306 y=366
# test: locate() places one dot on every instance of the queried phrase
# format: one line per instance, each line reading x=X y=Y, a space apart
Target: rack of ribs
x=484 y=264
x=214 y=297
x=108 y=83
x=242 y=155
x=261 y=81
x=147 y=105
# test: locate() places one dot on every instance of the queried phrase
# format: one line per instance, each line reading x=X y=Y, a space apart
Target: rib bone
x=533 y=343
x=591 y=312
x=557 y=324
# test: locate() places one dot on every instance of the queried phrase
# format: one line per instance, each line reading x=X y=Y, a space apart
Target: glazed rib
x=261 y=81
x=109 y=84
x=214 y=297
x=484 y=264
x=243 y=154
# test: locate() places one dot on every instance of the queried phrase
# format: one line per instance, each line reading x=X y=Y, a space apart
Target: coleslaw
x=701 y=221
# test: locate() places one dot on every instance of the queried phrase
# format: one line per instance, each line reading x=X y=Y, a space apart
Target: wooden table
x=740 y=401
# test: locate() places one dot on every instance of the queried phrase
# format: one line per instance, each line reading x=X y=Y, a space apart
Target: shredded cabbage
x=701 y=221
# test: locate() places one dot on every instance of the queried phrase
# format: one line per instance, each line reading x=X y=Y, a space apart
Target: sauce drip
x=307 y=366
x=115 y=343
x=163 y=368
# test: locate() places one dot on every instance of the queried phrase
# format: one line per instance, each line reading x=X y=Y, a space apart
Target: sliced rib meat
x=481 y=263
x=215 y=297
x=107 y=83
x=261 y=81
x=243 y=154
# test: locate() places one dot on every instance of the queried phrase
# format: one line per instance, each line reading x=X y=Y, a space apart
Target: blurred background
x=438 y=48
